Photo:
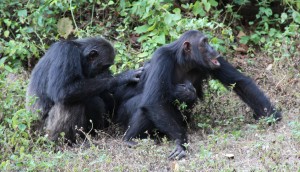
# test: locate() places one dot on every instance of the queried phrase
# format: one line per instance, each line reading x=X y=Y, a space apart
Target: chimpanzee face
x=99 y=61
x=208 y=53
x=198 y=50
x=97 y=58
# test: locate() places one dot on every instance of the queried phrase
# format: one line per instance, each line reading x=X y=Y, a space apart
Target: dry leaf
x=269 y=67
x=241 y=33
x=174 y=166
x=64 y=27
x=240 y=49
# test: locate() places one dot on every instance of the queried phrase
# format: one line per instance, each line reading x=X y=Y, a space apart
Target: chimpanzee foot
x=177 y=153
x=130 y=143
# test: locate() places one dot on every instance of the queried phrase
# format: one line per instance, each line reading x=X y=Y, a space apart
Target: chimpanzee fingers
x=130 y=143
x=177 y=153
x=139 y=71
x=136 y=75
x=172 y=154
x=181 y=155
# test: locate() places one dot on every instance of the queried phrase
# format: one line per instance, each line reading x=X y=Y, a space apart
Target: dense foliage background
x=260 y=37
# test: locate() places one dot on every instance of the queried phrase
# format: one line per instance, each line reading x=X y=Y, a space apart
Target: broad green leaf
x=196 y=8
x=22 y=127
x=296 y=17
x=160 y=39
x=144 y=54
x=152 y=27
x=202 y=12
x=272 y=32
x=7 y=22
x=122 y=4
x=262 y=39
x=6 y=33
x=9 y=69
x=176 y=16
x=40 y=20
x=22 y=13
x=143 y=37
x=168 y=18
x=113 y=68
x=268 y=12
x=2 y=61
x=206 y=5
x=29 y=30
x=244 y=39
x=283 y=17
x=213 y=3
x=142 y=29
x=177 y=11
x=136 y=66
x=110 y=3
x=255 y=38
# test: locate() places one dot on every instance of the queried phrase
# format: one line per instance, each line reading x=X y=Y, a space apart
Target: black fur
x=72 y=82
x=148 y=104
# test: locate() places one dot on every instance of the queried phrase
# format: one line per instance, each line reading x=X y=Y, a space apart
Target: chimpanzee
x=128 y=97
x=72 y=82
x=146 y=105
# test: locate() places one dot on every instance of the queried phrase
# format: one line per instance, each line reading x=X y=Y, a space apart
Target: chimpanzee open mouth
x=215 y=61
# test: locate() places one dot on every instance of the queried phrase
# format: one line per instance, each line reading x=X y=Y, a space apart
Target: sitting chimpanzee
x=72 y=82
x=148 y=105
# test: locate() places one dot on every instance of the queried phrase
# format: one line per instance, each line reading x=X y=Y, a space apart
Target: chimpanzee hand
x=131 y=143
x=177 y=153
x=131 y=76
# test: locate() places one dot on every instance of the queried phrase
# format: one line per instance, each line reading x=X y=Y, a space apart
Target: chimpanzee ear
x=187 y=46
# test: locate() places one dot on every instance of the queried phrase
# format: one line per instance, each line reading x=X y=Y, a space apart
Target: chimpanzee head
x=97 y=55
x=196 y=48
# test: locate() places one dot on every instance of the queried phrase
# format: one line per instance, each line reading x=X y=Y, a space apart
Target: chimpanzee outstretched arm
x=76 y=91
x=246 y=89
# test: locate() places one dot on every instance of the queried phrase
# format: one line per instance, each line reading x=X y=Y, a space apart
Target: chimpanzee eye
x=92 y=55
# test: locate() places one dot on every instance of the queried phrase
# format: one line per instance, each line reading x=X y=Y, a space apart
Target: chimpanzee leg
x=247 y=90
x=161 y=117
x=63 y=118
x=169 y=120
x=96 y=111
x=138 y=124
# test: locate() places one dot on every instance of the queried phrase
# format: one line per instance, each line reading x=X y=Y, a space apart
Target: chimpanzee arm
x=247 y=90
x=66 y=82
x=77 y=91
x=184 y=92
